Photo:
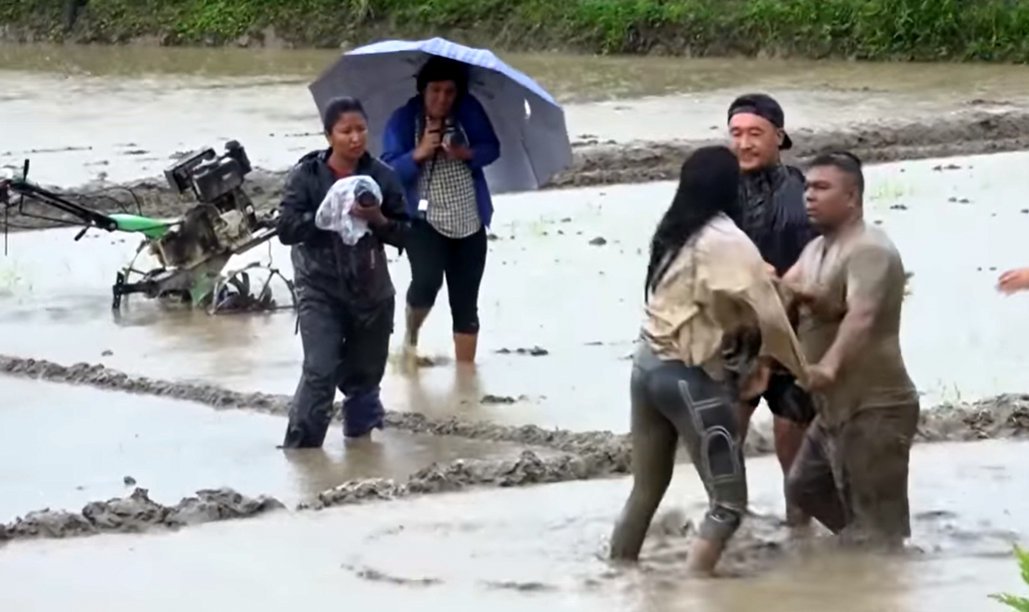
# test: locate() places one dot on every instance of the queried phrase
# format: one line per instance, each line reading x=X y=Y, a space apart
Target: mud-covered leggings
x=670 y=401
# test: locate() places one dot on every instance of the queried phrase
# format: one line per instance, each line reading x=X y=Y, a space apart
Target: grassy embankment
x=990 y=30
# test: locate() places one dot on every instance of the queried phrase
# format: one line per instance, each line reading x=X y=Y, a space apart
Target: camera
x=452 y=135
x=209 y=176
x=365 y=196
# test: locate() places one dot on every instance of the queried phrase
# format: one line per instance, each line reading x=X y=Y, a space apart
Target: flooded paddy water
x=629 y=117
x=560 y=311
x=519 y=549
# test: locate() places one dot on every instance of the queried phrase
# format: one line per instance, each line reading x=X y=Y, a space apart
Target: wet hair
x=845 y=162
x=443 y=69
x=708 y=184
x=337 y=107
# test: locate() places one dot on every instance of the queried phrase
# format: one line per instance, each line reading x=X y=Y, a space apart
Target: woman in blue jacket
x=438 y=143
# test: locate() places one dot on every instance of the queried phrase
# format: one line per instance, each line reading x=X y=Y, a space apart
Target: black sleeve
x=296 y=215
x=394 y=208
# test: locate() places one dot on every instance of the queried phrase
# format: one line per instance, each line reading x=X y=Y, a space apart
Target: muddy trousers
x=853 y=476
x=671 y=401
x=345 y=348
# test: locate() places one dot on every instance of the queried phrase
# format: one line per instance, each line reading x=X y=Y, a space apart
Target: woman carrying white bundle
x=334 y=213
x=345 y=296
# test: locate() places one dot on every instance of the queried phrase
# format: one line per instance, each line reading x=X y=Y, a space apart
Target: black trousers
x=462 y=261
x=345 y=347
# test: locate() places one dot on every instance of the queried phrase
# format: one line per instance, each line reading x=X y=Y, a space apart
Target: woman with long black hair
x=705 y=282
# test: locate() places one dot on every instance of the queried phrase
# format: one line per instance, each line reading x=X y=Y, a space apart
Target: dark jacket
x=774 y=214
x=356 y=274
x=398 y=144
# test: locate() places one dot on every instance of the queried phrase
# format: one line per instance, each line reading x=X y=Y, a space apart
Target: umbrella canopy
x=530 y=124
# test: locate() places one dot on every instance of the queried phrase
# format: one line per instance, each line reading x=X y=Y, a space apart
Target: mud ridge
x=590 y=443
x=1002 y=416
x=975 y=131
x=587 y=455
x=528 y=469
x=137 y=513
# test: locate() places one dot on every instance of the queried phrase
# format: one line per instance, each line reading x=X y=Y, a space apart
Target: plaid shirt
x=448 y=186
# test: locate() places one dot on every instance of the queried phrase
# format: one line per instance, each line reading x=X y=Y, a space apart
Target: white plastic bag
x=334 y=212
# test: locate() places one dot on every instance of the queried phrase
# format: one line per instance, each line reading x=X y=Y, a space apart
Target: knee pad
x=720 y=523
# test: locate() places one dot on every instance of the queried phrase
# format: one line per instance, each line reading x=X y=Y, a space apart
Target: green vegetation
x=991 y=30
x=1019 y=604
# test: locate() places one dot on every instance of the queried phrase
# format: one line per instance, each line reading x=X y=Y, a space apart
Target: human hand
x=1013 y=281
x=770 y=269
x=820 y=377
x=370 y=214
x=431 y=140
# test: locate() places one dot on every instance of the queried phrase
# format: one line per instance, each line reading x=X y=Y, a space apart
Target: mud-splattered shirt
x=861 y=264
x=717 y=285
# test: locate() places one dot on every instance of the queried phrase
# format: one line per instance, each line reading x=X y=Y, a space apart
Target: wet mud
x=607 y=446
x=969 y=132
x=581 y=456
x=137 y=513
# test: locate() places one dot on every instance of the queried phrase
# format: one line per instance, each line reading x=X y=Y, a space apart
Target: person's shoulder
x=470 y=106
x=406 y=111
x=308 y=162
x=874 y=244
x=794 y=174
x=721 y=237
x=814 y=244
x=874 y=239
x=383 y=173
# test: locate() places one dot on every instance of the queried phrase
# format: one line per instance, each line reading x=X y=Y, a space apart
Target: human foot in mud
x=414 y=319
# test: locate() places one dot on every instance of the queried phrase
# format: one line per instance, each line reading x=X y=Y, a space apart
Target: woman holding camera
x=345 y=295
x=439 y=142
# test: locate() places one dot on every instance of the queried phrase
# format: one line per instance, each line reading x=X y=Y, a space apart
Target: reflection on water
x=62 y=446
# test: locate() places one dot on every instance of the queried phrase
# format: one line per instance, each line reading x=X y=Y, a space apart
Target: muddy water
x=54 y=302
x=545 y=546
x=62 y=446
x=146 y=104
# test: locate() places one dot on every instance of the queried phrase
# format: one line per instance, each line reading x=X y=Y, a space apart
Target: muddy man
x=705 y=280
x=852 y=469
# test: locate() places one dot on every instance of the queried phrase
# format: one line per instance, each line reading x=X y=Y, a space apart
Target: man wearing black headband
x=774 y=217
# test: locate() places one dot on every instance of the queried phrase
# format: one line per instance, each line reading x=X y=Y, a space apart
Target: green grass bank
x=986 y=30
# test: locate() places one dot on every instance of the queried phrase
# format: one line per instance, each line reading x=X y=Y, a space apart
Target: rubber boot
x=464 y=347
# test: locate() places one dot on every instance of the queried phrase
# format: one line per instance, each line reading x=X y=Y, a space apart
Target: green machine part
x=149 y=227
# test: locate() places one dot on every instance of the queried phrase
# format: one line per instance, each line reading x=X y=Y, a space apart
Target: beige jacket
x=718 y=285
